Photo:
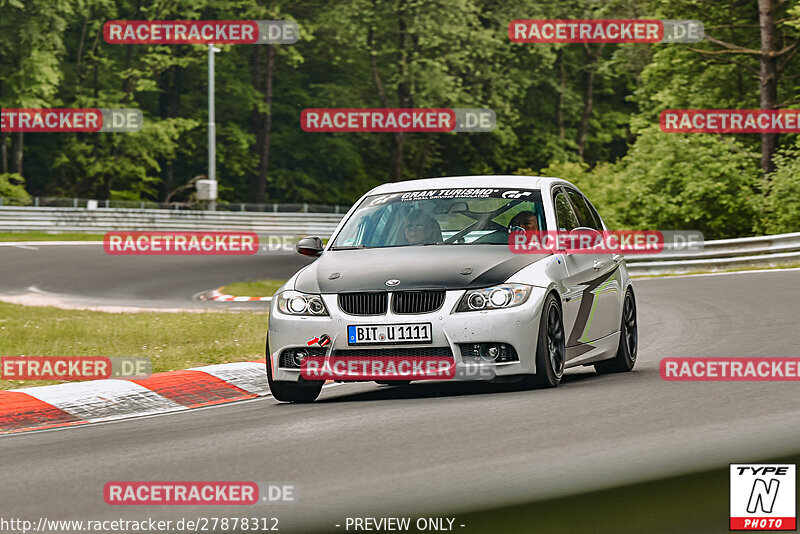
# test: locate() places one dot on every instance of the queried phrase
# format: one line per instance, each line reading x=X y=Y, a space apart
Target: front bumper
x=517 y=326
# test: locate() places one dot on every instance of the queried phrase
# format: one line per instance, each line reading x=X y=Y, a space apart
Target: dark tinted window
x=594 y=213
x=585 y=217
x=565 y=218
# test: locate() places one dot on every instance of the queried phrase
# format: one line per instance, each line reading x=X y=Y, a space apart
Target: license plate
x=391 y=334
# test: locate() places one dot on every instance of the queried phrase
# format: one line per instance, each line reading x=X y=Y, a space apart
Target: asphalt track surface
x=86 y=275
x=440 y=449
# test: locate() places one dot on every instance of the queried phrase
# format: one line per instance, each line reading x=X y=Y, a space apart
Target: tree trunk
x=3 y=154
x=17 y=144
x=263 y=165
x=768 y=78
x=79 y=56
x=255 y=121
x=562 y=86
x=589 y=70
x=403 y=92
x=169 y=83
x=397 y=142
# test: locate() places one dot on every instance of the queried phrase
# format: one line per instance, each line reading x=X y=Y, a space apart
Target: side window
x=565 y=218
x=595 y=215
x=585 y=217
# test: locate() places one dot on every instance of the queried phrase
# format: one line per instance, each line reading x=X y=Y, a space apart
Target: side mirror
x=310 y=246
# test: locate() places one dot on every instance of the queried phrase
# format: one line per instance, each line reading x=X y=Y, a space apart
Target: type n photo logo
x=763 y=497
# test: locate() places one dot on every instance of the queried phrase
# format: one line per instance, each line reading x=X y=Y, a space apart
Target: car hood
x=416 y=267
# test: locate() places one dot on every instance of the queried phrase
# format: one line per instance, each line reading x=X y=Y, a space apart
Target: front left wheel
x=625 y=358
x=550 y=347
x=298 y=392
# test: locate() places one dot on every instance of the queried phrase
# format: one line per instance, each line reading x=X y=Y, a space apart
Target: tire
x=628 y=341
x=393 y=382
x=292 y=391
x=550 y=347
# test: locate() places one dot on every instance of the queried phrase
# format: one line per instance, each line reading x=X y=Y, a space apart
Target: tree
x=777 y=46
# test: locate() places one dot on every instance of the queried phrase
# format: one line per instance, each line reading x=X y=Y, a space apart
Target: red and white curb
x=93 y=401
x=221 y=297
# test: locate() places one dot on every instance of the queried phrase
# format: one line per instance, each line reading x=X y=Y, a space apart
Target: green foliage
x=12 y=188
x=782 y=201
x=687 y=182
x=427 y=53
x=673 y=182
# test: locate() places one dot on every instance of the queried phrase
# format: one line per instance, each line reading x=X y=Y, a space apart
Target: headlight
x=296 y=303
x=492 y=298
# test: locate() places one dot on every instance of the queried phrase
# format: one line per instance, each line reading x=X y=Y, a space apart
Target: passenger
x=422 y=229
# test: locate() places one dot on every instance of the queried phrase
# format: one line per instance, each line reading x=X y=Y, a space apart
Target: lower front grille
x=416 y=352
x=287 y=358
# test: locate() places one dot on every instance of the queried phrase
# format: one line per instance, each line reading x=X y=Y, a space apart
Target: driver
x=524 y=221
x=422 y=229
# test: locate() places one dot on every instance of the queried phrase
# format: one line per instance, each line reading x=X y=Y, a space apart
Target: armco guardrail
x=62 y=202
x=18 y=219
x=722 y=254
x=764 y=251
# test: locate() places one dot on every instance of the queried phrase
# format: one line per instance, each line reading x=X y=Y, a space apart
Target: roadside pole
x=212 y=132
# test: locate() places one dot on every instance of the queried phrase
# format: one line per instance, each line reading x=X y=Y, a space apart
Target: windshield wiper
x=352 y=247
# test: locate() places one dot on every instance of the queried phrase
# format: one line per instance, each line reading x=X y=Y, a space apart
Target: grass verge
x=44 y=236
x=171 y=340
x=253 y=288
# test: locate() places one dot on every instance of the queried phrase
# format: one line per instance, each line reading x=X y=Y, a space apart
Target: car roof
x=449 y=182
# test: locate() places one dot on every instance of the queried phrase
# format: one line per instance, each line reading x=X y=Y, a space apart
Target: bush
x=674 y=182
x=782 y=203
x=12 y=189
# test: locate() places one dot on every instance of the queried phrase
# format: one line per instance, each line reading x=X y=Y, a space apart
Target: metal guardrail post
x=74 y=202
x=305 y=208
x=274 y=207
x=36 y=201
x=1 y=201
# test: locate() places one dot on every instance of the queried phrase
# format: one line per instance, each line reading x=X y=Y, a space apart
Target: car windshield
x=441 y=217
